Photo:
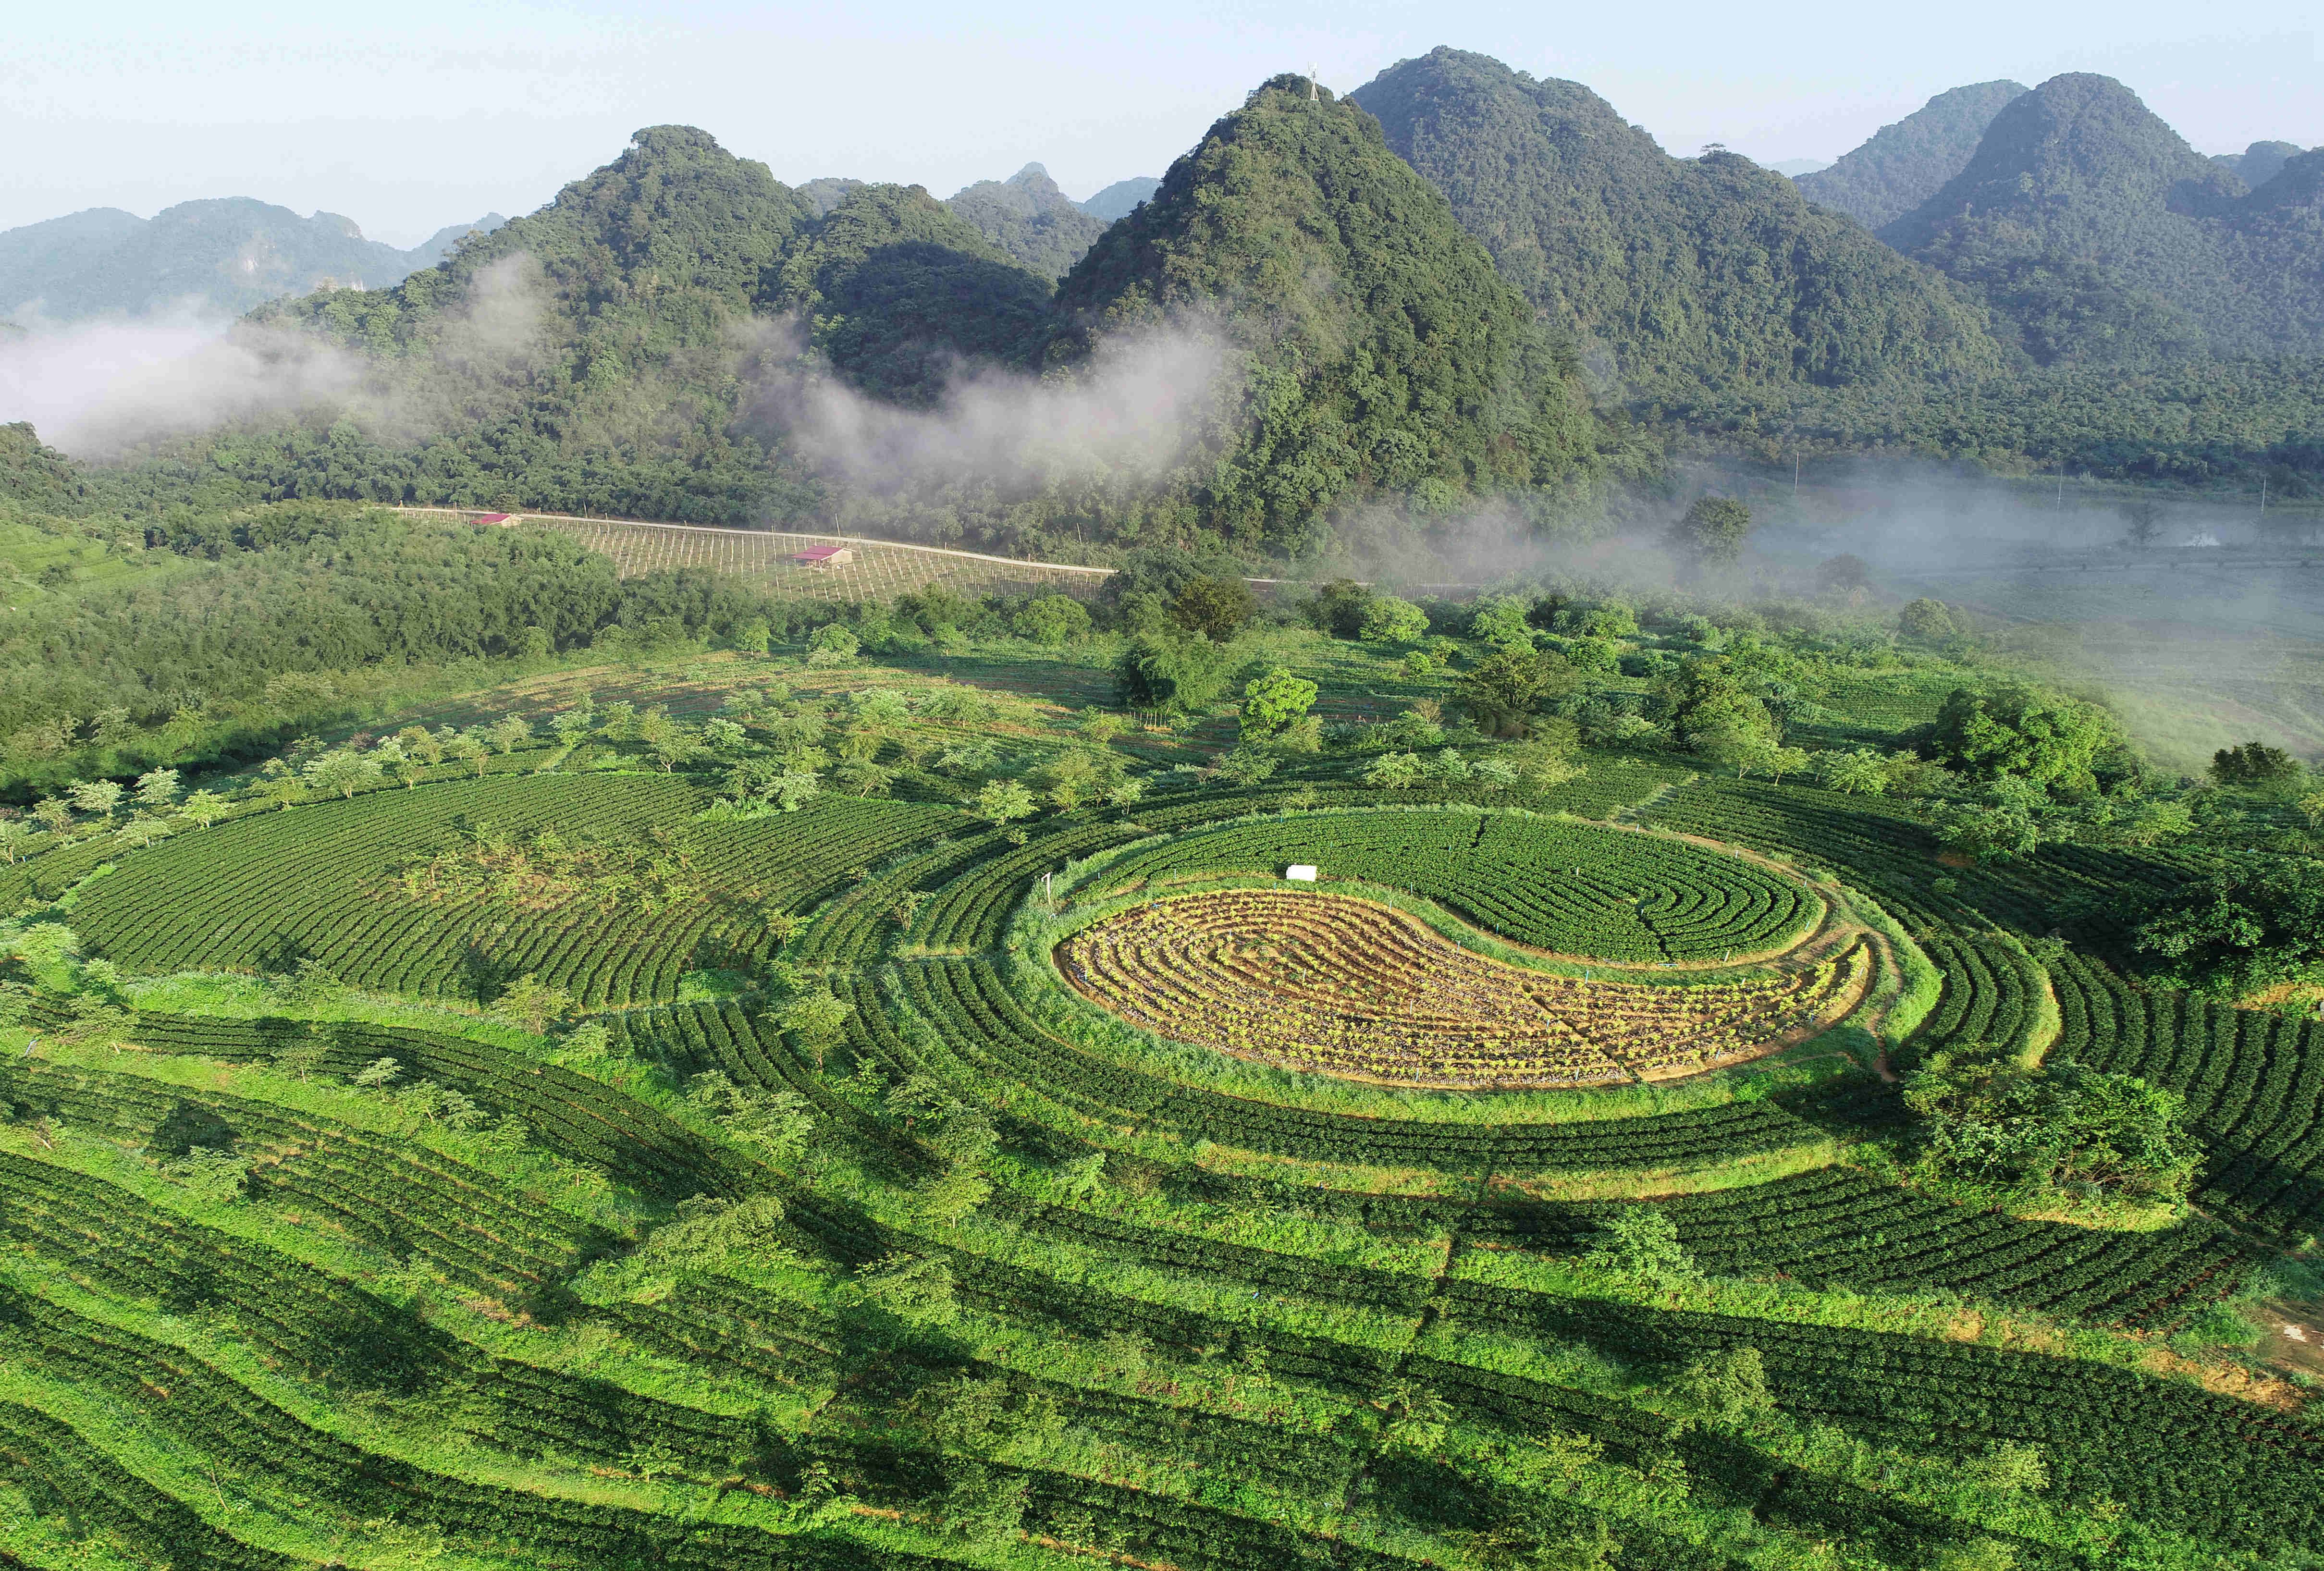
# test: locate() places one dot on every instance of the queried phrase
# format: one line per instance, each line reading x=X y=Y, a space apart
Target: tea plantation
x=585 y=1155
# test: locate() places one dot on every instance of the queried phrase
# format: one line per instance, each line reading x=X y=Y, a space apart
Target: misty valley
x=1442 y=843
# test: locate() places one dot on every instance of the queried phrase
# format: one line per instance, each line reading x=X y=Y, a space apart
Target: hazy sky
x=427 y=112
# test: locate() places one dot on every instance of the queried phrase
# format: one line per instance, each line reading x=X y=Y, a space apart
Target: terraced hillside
x=545 y=1165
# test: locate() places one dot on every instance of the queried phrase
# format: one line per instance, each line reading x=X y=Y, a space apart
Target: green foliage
x=2015 y=728
x=1642 y=1241
x=899 y=288
x=1712 y=531
x=1988 y=833
x=2256 y=765
x=2103 y=237
x=1001 y=801
x=1029 y=220
x=1181 y=674
x=2255 y=921
x=1388 y=620
x=1925 y=619
x=1275 y=701
x=1216 y=608
x=1052 y=619
x=1503 y=693
x=1728 y=1388
x=1990 y=1126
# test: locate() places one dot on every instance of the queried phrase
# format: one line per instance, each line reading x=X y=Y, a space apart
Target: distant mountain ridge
x=1029 y=219
x=225 y=256
x=1678 y=277
x=1120 y=198
x=2090 y=225
x=1905 y=163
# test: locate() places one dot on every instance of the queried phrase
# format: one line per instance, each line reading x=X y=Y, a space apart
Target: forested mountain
x=1385 y=355
x=1678 y=276
x=1122 y=198
x=1029 y=219
x=2257 y=165
x=438 y=245
x=899 y=287
x=1906 y=164
x=2092 y=226
x=578 y=359
x=225 y=256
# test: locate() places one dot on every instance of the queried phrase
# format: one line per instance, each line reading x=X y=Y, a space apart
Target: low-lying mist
x=101 y=390
x=1126 y=415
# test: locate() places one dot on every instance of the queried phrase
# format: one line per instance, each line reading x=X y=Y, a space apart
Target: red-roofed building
x=824 y=555
x=500 y=517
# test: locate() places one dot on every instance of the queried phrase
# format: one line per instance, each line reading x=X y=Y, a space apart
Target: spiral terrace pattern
x=1351 y=987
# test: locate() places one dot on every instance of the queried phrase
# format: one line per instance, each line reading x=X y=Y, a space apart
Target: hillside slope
x=579 y=358
x=1905 y=163
x=1678 y=276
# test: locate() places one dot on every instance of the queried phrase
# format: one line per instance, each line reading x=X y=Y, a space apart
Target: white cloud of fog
x=1127 y=415
x=95 y=389
x=98 y=389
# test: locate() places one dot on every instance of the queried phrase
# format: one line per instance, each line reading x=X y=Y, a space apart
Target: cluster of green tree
x=2254 y=923
x=1904 y=164
x=1993 y=1129
x=2195 y=422
x=226 y=254
x=1685 y=276
x=2101 y=236
x=230 y=656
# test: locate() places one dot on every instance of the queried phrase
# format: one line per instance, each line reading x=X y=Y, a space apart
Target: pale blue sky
x=427 y=112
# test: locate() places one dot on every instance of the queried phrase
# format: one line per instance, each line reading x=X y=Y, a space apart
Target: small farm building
x=824 y=555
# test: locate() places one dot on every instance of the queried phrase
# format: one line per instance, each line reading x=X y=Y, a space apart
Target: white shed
x=1300 y=872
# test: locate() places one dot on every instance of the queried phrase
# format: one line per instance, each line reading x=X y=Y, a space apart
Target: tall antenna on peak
x=1311 y=84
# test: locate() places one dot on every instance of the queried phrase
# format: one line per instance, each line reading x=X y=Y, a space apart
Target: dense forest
x=583 y=358
x=1383 y=353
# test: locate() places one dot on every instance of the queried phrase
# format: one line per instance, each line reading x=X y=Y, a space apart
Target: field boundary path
x=880 y=568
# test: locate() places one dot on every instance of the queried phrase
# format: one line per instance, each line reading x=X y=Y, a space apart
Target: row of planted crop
x=1340 y=1356
x=377 y=1187
x=519 y=1406
x=317 y=884
x=1557 y=885
x=970 y=1005
x=2253 y=1083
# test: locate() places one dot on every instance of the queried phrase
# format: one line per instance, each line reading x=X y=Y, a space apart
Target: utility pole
x=1796 y=473
x=2263 y=496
